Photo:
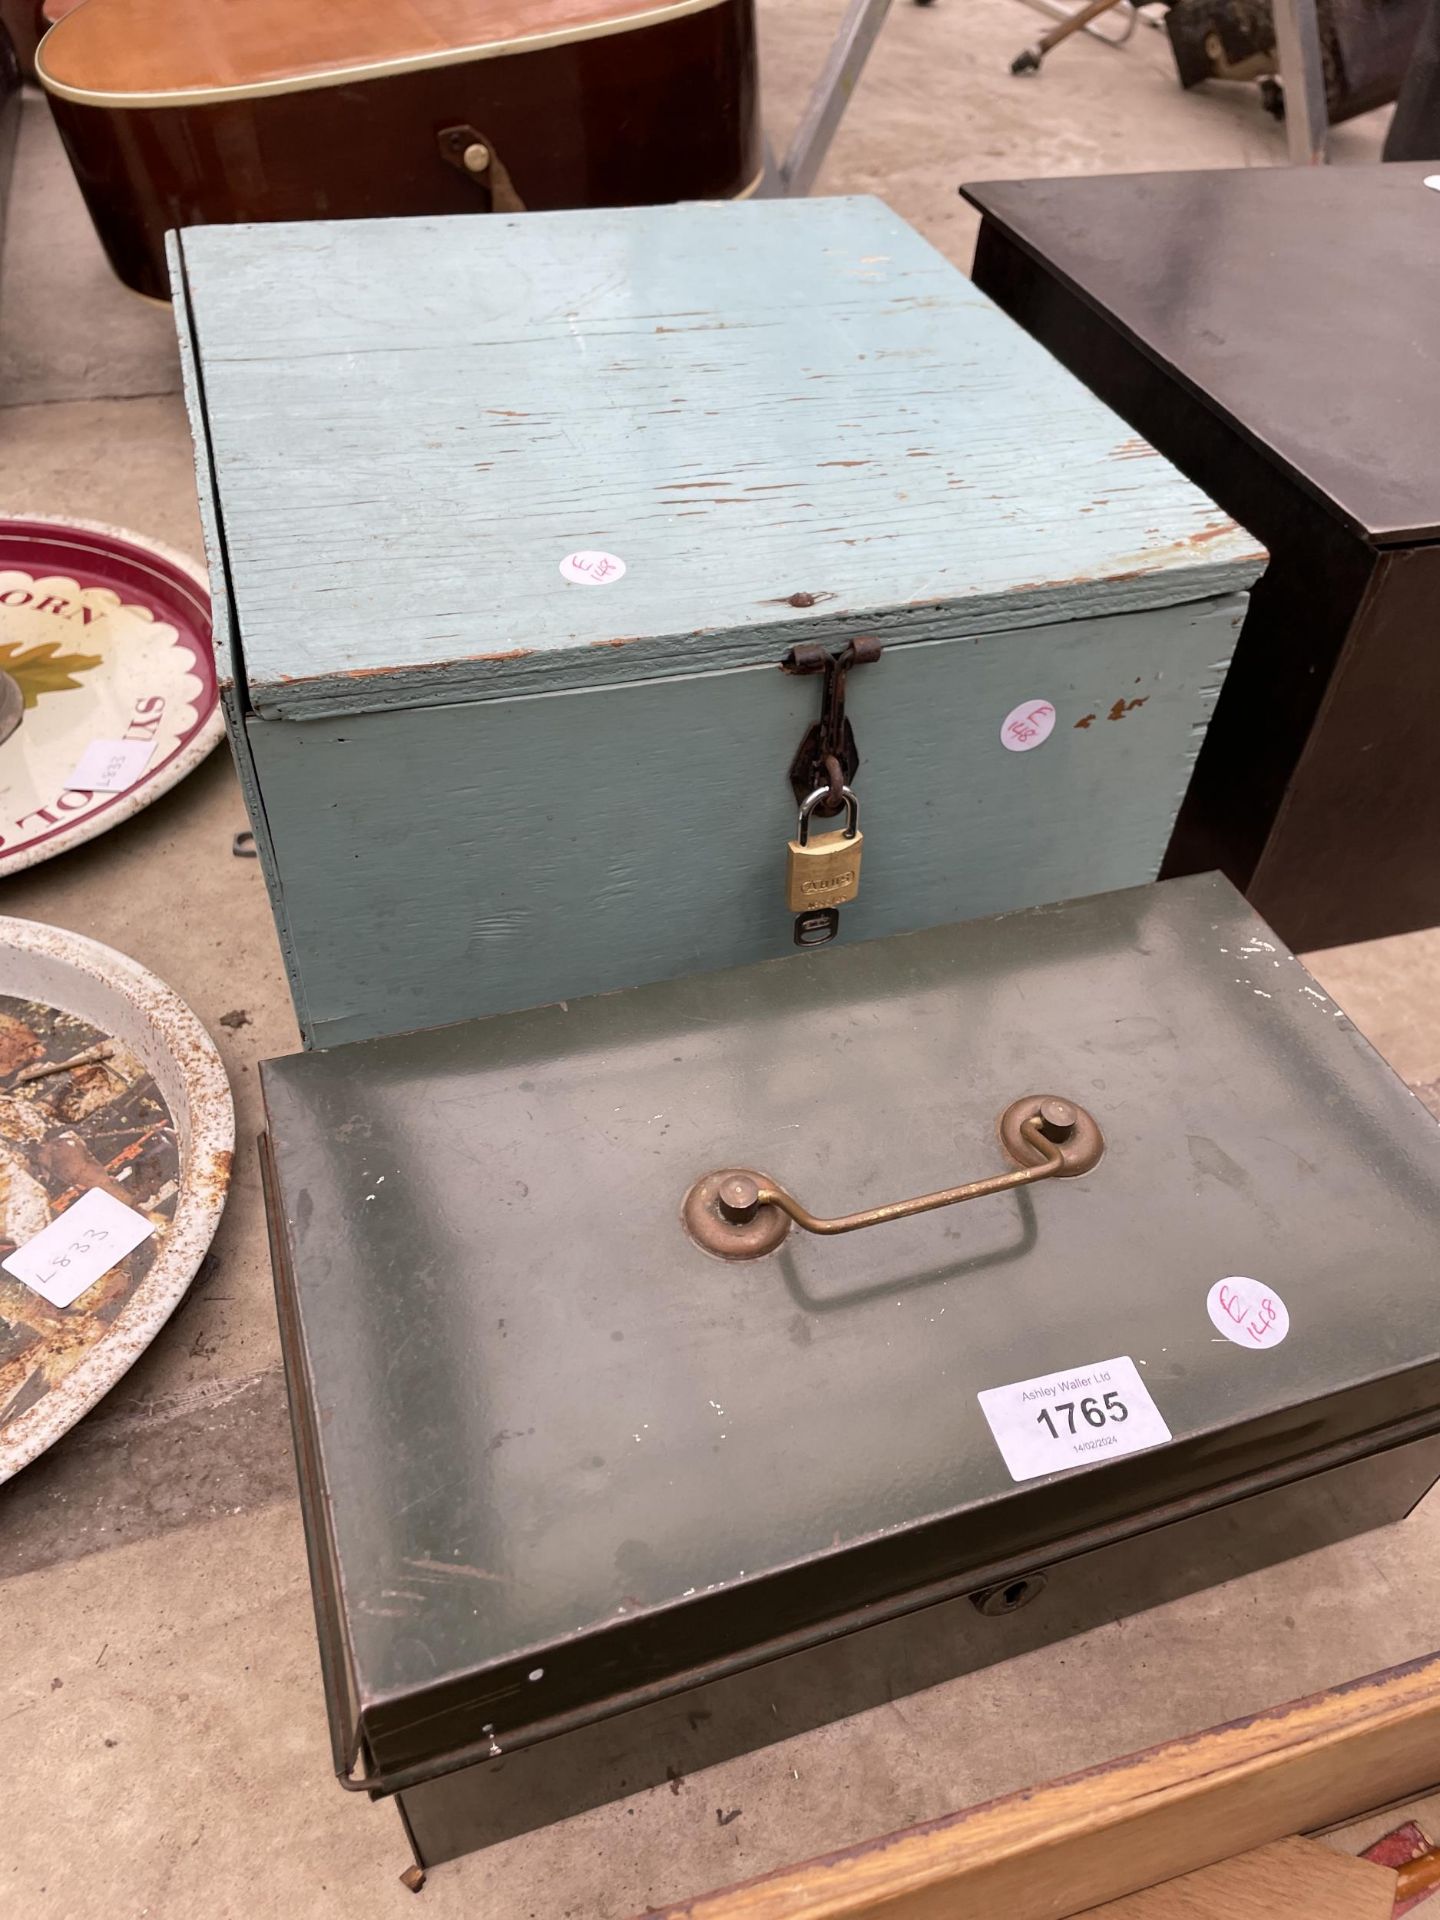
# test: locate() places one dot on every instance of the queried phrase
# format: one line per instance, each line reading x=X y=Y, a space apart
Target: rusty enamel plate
x=104 y=637
x=106 y=1079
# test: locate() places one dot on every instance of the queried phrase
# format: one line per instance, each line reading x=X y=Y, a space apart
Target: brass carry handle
x=740 y=1214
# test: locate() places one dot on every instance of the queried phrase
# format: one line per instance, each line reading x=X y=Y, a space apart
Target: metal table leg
x=1093 y=28
x=1415 y=130
x=1302 y=73
x=830 y=97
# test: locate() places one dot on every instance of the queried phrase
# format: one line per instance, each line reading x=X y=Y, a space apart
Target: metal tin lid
x=107 y=681
x=559 y=1454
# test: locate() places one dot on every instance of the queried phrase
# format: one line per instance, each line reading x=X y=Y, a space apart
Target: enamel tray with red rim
x=107 y=681
x=108 y=1081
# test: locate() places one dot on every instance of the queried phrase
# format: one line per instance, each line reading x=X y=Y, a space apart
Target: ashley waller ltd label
x=1073 y=1419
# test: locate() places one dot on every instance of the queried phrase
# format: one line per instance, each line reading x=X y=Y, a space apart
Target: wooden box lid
x=790 y=420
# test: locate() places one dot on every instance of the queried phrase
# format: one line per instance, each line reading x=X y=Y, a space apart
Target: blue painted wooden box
x=477 y=784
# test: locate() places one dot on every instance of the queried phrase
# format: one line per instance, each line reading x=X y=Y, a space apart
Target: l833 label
x=65 y=1258
x=1078 y=1418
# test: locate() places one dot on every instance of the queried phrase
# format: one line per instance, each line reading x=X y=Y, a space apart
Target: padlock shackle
x=811 y=801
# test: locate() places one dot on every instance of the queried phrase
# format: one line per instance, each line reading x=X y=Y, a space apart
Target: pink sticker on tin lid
x=1028 y=725
x=1245 y=1311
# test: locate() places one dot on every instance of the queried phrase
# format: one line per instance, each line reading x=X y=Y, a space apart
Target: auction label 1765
x=1078 y=1418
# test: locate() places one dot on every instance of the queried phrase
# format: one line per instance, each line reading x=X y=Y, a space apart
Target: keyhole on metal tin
x=1009 y=1598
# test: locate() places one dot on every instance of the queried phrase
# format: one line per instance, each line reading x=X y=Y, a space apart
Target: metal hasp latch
x=475 y=156
x=740 y=1214
x=828 y=757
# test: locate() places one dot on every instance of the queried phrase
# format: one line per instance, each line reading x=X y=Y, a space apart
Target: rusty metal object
x=474 y=155
x=742 y=1215
x=828 y=756
x=1081 y=1145
x=92 y=1057
x=107 y=1079
x=719 y=1232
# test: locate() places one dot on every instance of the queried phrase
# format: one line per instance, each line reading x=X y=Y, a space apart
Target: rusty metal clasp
x=828 y=757
x=740 y=1214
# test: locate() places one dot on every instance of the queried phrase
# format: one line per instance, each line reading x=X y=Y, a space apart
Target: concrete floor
x=160 y=1697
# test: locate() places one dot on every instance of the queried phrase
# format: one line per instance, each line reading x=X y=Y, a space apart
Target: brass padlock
x=824 y=869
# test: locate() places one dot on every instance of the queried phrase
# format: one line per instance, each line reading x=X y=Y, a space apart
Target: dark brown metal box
x=587 y=1503
x=1234 y=319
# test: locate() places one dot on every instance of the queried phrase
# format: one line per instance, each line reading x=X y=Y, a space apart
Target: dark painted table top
x=1301 y=304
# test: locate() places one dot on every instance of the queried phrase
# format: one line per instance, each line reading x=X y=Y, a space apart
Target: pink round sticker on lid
x=1247 y=1312
x=1028 y=725
x=590 y=568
